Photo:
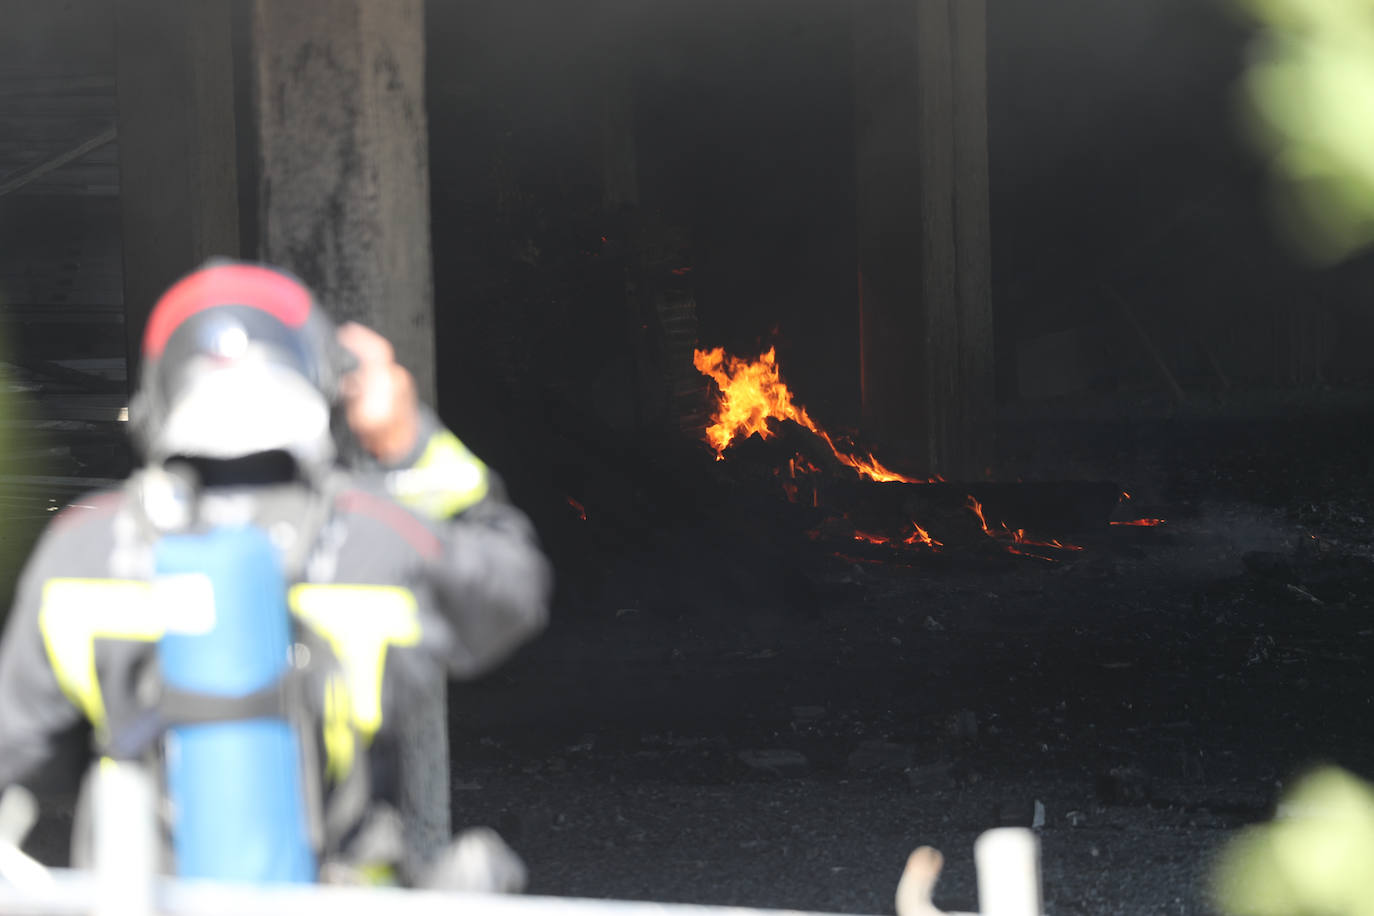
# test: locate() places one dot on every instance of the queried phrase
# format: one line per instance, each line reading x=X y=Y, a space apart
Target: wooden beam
x=36 y=171
x=1147 y=343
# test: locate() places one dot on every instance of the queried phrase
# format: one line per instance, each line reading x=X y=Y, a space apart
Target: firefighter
x=404 y=559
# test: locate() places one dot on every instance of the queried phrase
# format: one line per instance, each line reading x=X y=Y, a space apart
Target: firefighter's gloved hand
x=380 y=402
x=477 y=860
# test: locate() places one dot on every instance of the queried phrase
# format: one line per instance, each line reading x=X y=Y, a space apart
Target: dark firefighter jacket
x=411 y=572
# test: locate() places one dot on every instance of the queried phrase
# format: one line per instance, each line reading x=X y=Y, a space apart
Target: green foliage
x=1313 y=860
x=1309 y=102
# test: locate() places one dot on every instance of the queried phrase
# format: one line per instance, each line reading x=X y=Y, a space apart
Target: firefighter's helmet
x=238 y=359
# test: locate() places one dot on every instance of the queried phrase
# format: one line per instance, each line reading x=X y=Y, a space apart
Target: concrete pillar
x=343 y=154
x=177 y=147
x=343 y=199
x=924 y=243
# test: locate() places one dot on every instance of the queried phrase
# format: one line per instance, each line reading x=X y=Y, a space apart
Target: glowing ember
x=976 y=508
x=578 y=508
x=1137 y=522
x=1017 y=535
x=752 y=393
x=799 y=465
x=921 y=537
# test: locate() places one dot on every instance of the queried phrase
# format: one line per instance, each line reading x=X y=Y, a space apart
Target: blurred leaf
x=1315 y=858
x=1309 y=103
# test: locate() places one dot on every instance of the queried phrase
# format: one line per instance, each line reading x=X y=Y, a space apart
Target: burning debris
x=1017 y=536
x=1137 y=522
x=753 y=400
x=752 y=393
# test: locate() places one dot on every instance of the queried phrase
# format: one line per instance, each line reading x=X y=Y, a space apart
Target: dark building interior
x=757 y=689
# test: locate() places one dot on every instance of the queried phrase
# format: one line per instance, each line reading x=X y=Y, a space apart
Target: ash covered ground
x=722 y=714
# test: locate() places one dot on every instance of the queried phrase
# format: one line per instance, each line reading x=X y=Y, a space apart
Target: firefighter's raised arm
x=493 y=582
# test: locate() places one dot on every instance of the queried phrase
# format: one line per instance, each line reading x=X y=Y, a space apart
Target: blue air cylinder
x=235 y=785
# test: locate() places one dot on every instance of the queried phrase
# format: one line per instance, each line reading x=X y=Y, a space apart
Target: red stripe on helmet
x=226 y=284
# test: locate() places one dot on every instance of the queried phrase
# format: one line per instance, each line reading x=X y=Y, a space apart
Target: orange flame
x=800 y=465
x=922 y=537
x=977 y=509
x=752 y=393
x=1017 y=535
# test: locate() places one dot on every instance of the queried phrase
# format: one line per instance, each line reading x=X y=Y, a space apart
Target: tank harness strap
x=181 y=707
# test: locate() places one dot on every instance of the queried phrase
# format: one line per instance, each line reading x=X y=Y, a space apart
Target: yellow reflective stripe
x=338 y=730
x=74 y=614
x=360 y=622
x=378 y=874
x=446 y=479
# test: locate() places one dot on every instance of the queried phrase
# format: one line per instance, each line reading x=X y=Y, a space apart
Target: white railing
x=124 y=883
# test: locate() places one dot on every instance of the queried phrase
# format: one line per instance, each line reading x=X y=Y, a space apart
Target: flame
x=922 y=537
x=1017 y=535
x=752 y=393
x=800 y=465
x=977 y=509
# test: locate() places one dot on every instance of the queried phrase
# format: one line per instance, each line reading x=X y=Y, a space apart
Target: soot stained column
x=343 y=189
x=924 y=241
x=342 y=173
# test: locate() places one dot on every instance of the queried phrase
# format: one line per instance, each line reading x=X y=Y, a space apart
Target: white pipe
x=76 y=894
x=18 y=814
x=125 y=849
x=1008 y=860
